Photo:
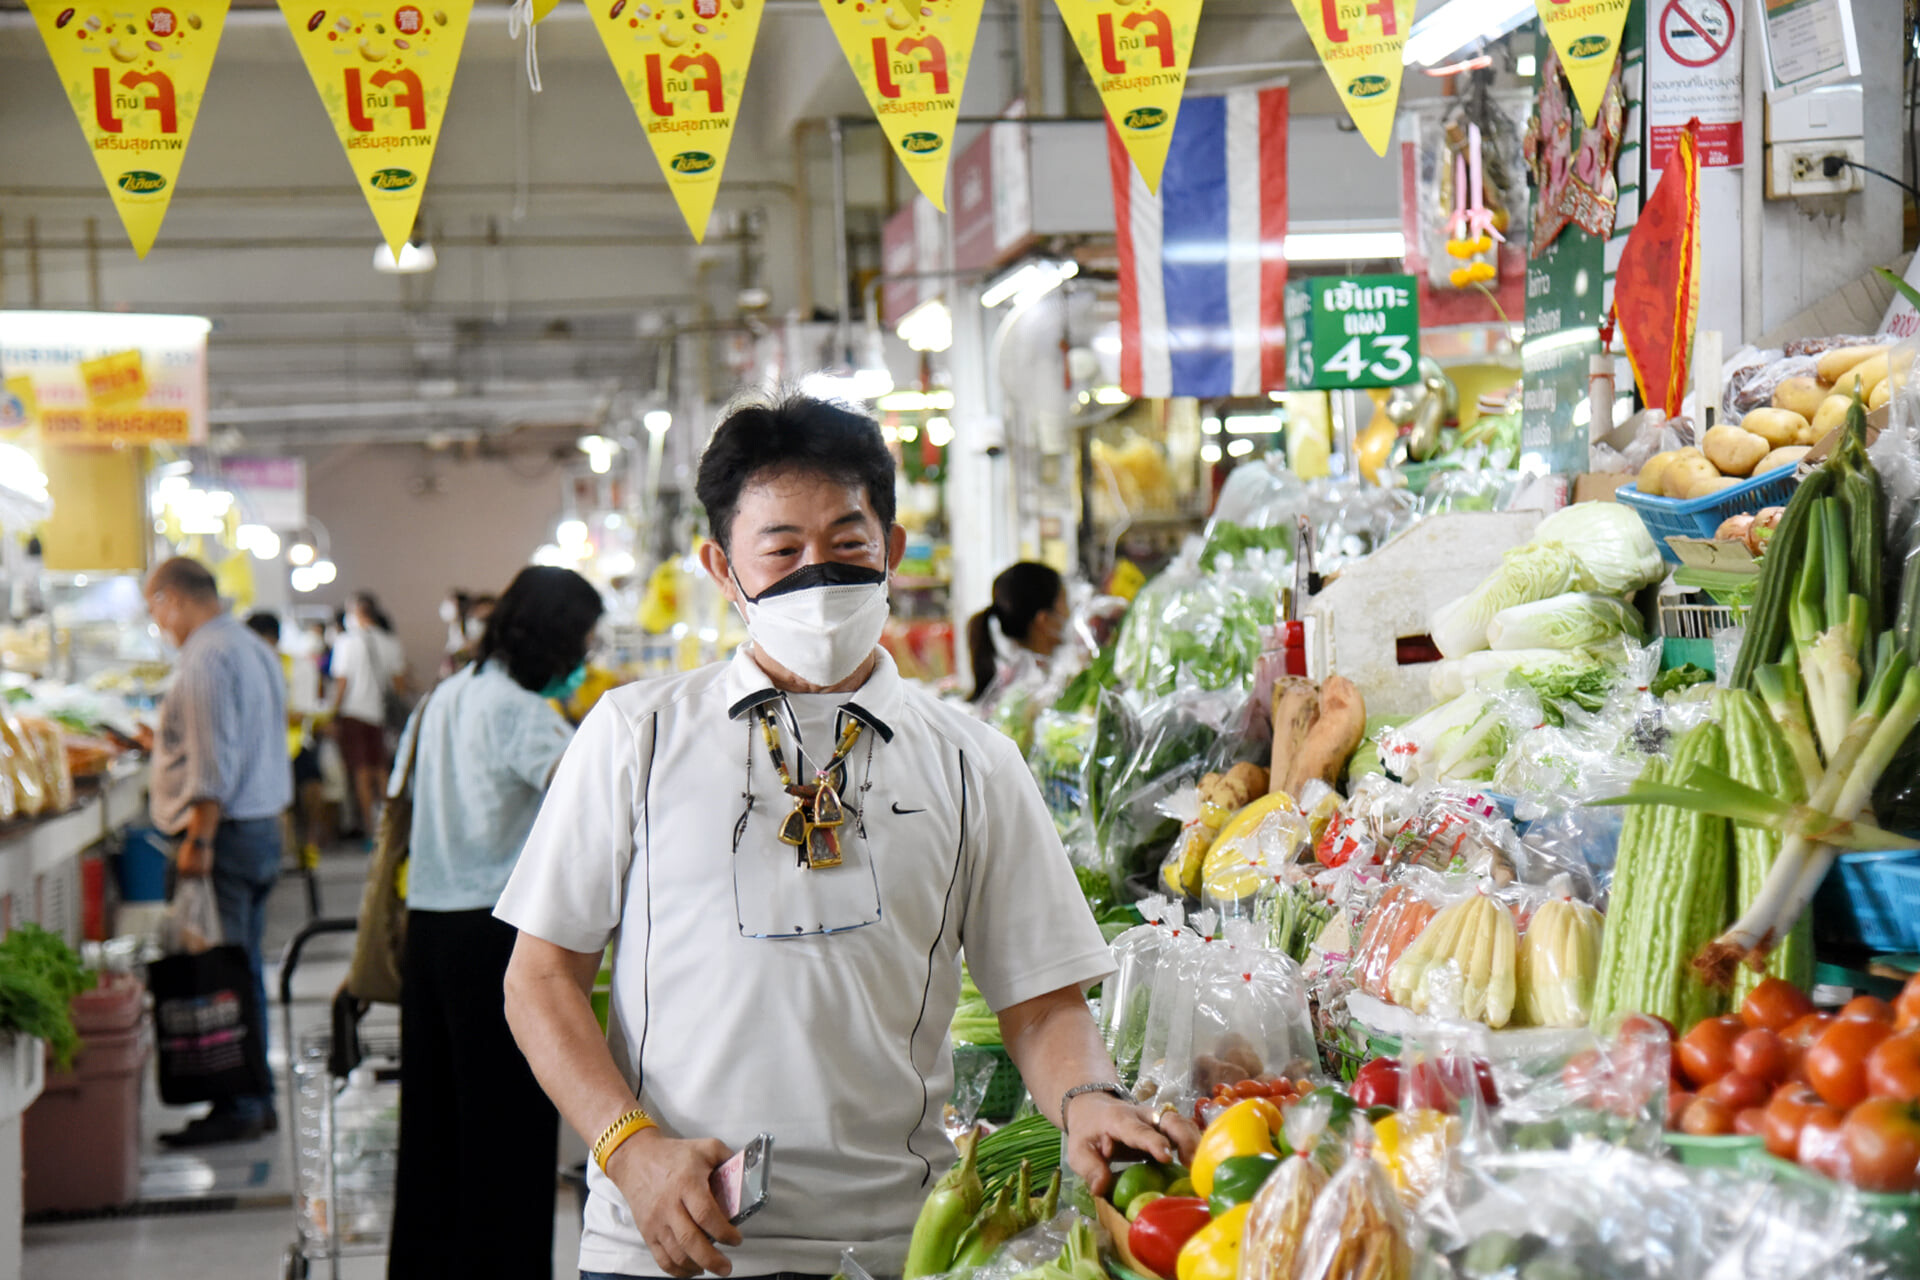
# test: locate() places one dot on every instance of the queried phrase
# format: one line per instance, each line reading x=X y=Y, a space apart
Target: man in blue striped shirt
x=220 y=783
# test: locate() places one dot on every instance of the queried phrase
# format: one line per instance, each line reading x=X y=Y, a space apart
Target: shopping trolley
x=345 y=1132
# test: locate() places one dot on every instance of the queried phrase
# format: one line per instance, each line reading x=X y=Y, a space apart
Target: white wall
x=474 y=531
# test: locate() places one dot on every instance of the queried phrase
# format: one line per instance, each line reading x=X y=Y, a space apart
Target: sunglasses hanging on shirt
x=813 y=825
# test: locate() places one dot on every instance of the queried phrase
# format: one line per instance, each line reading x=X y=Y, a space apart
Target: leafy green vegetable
x=39 y=977
x=1617 y=555
x=973 y=1020
x=1681 y=677
x=1525 y=574
x=1565 y=621
x=1228 y=539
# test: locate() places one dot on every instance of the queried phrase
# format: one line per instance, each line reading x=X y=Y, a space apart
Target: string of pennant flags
x=135 y=72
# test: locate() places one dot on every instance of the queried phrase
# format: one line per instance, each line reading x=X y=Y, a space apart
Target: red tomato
x=1800 y=1037
x=1774 y=1005
x=1763 y=1055
x=1737 y=1091
x=1786 y=1115
x=1707 y=1116
x=1749 y=1123
x=1706 y=1052
x=1893 y=1068
x=1677 y=1102
x=1870 y=1008
x=1906 y=1007
x=1250 y=1089
x=1377 y=1084
x=1882 y=1140
x=1821 y=1148
x=1837 y=1063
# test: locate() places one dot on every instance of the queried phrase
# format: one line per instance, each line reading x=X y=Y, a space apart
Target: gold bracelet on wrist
x=618 y=1132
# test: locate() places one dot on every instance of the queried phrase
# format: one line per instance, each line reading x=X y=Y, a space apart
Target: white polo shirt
x=751 y=995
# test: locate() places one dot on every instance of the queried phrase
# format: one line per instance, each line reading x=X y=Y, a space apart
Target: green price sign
x=1352 y=331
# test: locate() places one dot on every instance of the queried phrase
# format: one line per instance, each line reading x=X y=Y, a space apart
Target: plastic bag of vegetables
x=1526 y=573
x=1568 y=621
x=1615 y=552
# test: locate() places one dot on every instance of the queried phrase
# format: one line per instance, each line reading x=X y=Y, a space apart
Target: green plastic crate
x=1005 y=1089
x=1714 y=1151
x=1893 y=1220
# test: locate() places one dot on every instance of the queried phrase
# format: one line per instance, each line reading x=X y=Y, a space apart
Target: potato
x=1832 y=416
x=1797 y=395
x=1648 y=481
x=1784 y=456
x=1864 y=375
x=1881 y=393
x=1733 y=529
x=1687 y=477
x=1734 y=450
x=1776 y=426
x=1707 y=488
x=1831 y=364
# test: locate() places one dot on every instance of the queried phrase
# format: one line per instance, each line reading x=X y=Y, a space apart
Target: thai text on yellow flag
x=384 y=73
x=135 y=74
x=911 y=59
x=1137 y=55
x=683 y=65
x=1586 y=35
x=1360 y=44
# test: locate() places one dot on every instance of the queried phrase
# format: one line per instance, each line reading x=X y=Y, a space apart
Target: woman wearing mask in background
x=477 y=1134
x=1010 y=641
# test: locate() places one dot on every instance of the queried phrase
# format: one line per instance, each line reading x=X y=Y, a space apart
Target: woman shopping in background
x=1010 y=642
x=366 y=665
x=474 y=1194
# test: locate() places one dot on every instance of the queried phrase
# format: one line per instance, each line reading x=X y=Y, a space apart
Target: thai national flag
x=1203 y=262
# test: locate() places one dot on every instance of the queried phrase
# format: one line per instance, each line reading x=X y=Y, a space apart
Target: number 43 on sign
x=1356 y=331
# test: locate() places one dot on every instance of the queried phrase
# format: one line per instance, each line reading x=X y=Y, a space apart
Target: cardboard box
x=1598 y=486
x=1721 y=557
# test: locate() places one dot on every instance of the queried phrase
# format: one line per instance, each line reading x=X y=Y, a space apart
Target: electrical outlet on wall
x=1815 y=168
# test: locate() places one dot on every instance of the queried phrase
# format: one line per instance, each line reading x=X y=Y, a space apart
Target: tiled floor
x=253 y=1183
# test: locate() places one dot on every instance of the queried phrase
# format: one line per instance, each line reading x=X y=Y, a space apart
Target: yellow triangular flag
x=911 y=59
x=384 y=75
x=1137 y=56
x=135 y=76
x=1360 y=46
x=683 y=69
x=1587 y=38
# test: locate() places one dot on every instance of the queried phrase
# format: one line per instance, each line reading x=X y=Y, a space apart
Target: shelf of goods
x=1481 y=931
x=40 y=858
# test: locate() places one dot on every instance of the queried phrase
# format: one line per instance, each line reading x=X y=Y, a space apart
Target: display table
x=39 y=858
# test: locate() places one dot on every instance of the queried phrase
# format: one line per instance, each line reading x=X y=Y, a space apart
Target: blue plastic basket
x=1702 y=517
x=1871 y=900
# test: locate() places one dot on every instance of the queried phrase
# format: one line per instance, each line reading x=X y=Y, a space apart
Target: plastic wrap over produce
x=1896 y=455
x=1223 y=1010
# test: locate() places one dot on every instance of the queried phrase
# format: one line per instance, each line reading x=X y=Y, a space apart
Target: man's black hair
x=541 y=625
x=797 y=434
x=266 y=626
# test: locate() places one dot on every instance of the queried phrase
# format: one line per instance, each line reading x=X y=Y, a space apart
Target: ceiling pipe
x=842 y=282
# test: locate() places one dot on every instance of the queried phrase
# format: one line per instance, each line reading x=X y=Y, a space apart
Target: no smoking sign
x=1697 y=33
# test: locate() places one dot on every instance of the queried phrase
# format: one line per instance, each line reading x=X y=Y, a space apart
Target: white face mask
x=449 y=611
x=820 y=622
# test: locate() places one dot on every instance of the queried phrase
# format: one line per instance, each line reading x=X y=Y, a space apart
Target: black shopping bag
x=210 y=1028
x=212 y=1033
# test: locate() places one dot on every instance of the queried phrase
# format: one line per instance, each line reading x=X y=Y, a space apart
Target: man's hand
x=666 y=1182
x=1101 y=1127
x=194 y=858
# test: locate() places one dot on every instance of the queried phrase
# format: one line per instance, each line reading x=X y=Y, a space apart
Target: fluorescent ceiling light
x=300 y=553
x=1525 y=65
x=1030 y=281
x=302 y=579
x=1210 y=425
x=657 y=421
x=847 y=384
x=324 y=571
x=939 y=432
x=257 y=538
x=928 y=327
x=617 y=564
x=1344 y=246
x=550 y=556
x=1110 y=395
x=1209 y=452
x=413 y=259
x=1240 y=448
x=1446 y=30
x=1253 y=424
x=570 y=533
x=909 y=433
x=599 y=451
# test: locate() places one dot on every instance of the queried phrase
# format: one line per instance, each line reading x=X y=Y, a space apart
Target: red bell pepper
x=1162 y=1227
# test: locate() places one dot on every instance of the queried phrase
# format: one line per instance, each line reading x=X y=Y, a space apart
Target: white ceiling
x=562 y=257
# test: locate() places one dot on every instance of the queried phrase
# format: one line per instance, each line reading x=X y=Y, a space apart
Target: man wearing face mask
x=788 y=851
x=220 y=783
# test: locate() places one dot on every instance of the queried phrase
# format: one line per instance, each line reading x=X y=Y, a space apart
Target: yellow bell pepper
x=1243 y=1129
x=1214 y=1251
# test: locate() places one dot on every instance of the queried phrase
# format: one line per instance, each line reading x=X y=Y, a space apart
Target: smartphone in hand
x=740 y=1185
